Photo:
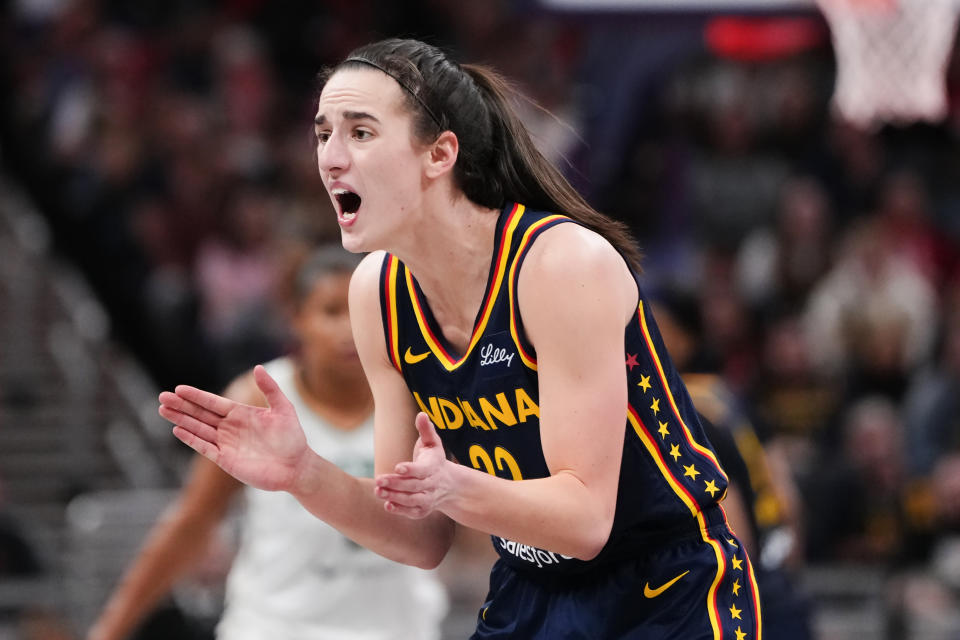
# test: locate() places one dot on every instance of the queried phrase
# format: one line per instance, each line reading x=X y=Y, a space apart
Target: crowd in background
x=170 y=145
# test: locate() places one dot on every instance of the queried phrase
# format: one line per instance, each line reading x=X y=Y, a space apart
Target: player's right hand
x=261 y=446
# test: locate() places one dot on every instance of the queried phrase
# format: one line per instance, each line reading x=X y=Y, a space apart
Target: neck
x=450 y=253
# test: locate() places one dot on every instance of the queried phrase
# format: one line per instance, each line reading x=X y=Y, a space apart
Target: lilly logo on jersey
x=495 y=356
x=490 y=354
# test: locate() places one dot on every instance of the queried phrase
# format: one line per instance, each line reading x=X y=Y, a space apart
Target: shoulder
x=571 y=252
x=364 y=300
x=364 y=295
x=576 y=273
x=366 y=277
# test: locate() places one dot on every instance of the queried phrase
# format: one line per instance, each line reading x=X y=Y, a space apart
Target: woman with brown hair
x=520 y=382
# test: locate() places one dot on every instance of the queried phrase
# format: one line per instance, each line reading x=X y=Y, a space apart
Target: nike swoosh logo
x=653 y=593
x=410 y=358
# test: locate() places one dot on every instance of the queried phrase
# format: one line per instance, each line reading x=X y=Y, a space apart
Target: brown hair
x=303 y=266
x=497 y=162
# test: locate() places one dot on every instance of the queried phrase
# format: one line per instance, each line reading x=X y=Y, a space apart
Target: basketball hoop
x=891 y=58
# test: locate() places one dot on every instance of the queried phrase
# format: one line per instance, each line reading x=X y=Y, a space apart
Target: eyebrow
x=347 y=115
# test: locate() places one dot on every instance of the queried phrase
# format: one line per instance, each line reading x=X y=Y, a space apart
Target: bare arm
x=419 y=542
x=176 y=542
x=576 y=295
x=266 y=447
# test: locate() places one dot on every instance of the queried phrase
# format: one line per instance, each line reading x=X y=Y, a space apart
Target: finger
x=396 y=497
x=405 y=484
x=401 y=499
x=414 y=513
x=409 y=505
x=209 y=401
x=198 y=428
x=184 y=406
x=201 y=446
x=428 y=433
x=410 y=469
x=269 y=387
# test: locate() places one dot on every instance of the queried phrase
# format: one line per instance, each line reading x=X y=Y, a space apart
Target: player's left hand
x=417 y=488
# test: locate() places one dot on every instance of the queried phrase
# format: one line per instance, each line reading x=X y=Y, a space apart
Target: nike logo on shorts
x=653 y=593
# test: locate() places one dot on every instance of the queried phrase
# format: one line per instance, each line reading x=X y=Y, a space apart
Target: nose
x=332 y=155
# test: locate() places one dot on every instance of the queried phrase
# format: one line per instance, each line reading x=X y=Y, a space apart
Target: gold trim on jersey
x=391 y=293
x=756 y=597
x=712 y=609
x=493 y=292
x=657 y=456
x=527 y=359
x=704 y=451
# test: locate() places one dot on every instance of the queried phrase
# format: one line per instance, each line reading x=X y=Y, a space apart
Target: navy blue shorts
x=700 y=586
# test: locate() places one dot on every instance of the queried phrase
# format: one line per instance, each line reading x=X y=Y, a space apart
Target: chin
x=352 y=242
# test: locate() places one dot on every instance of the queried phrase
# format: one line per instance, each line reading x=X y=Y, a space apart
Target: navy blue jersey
x=485 y=405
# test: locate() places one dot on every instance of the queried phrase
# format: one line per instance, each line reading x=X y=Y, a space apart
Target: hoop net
x=891 y=58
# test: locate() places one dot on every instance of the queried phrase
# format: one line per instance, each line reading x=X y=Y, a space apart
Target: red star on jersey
x=632 y=361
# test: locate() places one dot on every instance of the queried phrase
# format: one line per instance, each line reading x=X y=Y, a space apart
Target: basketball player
x=294 y=577
x=520 y=382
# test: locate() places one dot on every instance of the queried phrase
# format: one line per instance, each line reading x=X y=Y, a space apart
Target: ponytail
x=524 y=175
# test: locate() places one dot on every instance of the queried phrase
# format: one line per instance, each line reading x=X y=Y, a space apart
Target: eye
x=362 y=134
x=322 y=136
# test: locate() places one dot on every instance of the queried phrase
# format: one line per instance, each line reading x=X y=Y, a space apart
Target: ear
x=442 y=154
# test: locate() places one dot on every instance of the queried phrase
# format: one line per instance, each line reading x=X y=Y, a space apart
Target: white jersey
x=297 y=578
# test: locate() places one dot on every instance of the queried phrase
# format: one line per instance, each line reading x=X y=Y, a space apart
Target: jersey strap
x=527 y=354
x=388 y=307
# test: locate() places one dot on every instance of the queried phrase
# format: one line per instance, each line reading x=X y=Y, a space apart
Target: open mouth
x=349 y=202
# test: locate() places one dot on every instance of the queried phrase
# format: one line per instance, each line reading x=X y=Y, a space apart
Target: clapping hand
x=419 y=487
x=261 y=446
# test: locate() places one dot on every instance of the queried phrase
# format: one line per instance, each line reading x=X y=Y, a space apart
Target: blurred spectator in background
x=855 y=499
x=779 y=264
x=931 y=416
x=729 y=324
x=791 y=402
x=905 y=215
x=931 y=408
x=871 y=319
x=852 y=169
x=734 y=180
x=246 y=93
x=236 y=276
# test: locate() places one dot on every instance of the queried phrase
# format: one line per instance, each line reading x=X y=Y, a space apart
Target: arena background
x=151 y=151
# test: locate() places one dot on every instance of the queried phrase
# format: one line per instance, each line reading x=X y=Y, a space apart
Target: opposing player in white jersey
x=294 y=577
